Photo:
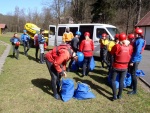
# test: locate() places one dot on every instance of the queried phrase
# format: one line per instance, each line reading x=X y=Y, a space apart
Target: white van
x=96 y=30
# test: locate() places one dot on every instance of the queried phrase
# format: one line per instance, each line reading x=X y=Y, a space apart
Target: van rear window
x=61 y=31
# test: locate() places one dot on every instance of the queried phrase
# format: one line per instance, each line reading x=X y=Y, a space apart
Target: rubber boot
x=41 y=58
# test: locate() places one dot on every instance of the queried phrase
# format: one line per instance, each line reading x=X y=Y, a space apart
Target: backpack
x=55 y=50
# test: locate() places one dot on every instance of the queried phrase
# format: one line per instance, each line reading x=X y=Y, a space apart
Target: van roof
x=96 y=24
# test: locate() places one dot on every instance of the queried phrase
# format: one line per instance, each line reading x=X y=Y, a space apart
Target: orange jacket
x=60 y=60
x=87 y=47
x=67 y=36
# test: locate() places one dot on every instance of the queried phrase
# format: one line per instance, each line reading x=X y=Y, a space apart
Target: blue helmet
x=78 y=33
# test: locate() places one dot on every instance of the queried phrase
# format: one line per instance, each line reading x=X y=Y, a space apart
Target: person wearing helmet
x=25 y=38
x=109 y=48
x=138 y=45
x=75 y=46
x=131 y=38
x=15 y=43
x=87 y=47
x=36 y=45
x=103 y=49
x=56 y=60
x=41 y=41
x=67 y=36
x=122 y=53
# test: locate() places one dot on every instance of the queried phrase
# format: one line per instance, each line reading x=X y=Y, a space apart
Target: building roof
x=3 y=26
x=145 y=21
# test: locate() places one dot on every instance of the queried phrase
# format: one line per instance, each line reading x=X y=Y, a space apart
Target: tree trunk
x=139 y=2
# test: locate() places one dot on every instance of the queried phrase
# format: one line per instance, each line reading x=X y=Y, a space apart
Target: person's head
x=24 y=31
x=104 y=36
x=67 y=29
x=123 y=39
x=116 y=38
x=41 y=31
x=138 y=32
x=131 y=37
x=87 y=35
x=15 y=35
x=78 y=33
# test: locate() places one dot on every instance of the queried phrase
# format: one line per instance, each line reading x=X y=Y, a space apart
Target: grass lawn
x=25 y=88
x=2 y=48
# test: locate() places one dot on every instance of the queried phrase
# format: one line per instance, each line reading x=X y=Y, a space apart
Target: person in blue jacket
x=25 y=41
x=138 y=47
x=41 y=41
x=15 y=44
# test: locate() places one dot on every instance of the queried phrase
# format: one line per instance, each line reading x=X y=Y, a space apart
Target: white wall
x=146 y=34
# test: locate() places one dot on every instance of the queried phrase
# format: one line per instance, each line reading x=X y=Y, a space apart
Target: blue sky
x=8 y=6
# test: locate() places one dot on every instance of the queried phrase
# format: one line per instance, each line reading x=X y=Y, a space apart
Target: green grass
x=25 y=88
x=2 y=48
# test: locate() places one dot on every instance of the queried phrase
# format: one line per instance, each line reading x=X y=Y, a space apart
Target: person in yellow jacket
x=103 y=49
x=109 y=48
x=67 y=36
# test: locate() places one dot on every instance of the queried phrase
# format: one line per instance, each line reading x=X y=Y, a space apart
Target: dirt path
x=4 y=55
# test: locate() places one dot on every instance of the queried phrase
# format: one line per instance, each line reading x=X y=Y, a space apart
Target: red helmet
x=87 y=34
x=17 y=43
x=117 y=36
x=104 y=35
x=131 y=36
x=122 y=36
x=139 y=31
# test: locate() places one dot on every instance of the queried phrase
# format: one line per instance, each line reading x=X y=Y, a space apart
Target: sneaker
x=57 y=97
x=114 y=98
x=119 y=96
x=132 y=92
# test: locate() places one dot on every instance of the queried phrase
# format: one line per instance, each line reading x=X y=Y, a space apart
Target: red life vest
x=36 y=40
x=123 y=56
x=55 y=50
x=87 y=46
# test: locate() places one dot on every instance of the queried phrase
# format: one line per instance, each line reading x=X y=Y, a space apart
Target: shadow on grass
x=101 y=72
x=10 y=56
x=29 y=56
x=99 y=89
x=43 y=84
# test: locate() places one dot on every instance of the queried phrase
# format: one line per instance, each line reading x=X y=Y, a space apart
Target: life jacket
x=123 y=56
x=36 y=40
x=15 y=40
x=87 y=46
x=55 y=50
x=143 y=46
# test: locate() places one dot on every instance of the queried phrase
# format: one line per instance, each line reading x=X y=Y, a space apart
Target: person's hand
x=75 y=58
x=64 y=74
x=131 y=64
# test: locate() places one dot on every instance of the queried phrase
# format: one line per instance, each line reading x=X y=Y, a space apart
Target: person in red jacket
x=131 y=38
x=87 y=47
x=122 y=53
x=56 y=61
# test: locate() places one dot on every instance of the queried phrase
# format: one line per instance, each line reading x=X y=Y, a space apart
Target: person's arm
x=81 y=46
x=75 y=44
x=58 y=62
x=63 y=38
x=92 y=44
x=113 y=50
x=137 y=51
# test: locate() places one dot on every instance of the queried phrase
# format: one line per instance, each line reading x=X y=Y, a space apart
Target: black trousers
x=133 y=70
x=16 y=51
x=122 y=73
x=55 y=78
x=103 y=57
x=36 y=52
x=111 y=59
x=86 y=65
x=26 y=46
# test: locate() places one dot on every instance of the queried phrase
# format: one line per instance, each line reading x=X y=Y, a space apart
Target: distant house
x=145 y=25
x=3 y=27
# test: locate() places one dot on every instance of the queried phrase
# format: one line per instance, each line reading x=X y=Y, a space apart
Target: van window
x=73 y=30
x=52 y=31
x=61 y=31
x=99 y=32
x=113 y=31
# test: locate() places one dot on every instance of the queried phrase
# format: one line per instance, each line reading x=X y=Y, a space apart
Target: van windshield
x=113 y=31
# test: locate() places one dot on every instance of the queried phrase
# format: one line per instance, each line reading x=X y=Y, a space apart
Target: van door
x=52 y=35
x=98 y=31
